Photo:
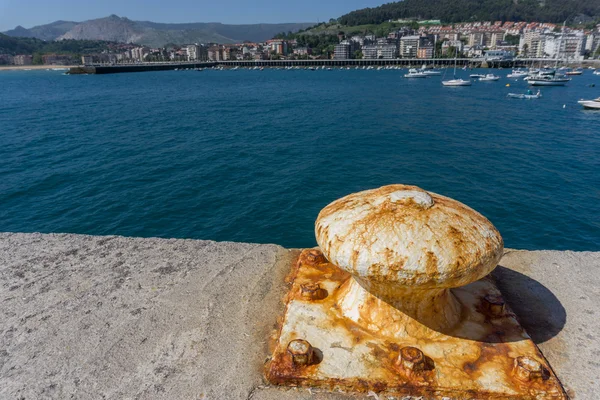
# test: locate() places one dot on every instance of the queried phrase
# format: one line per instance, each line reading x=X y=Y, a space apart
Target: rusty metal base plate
x=487 y=356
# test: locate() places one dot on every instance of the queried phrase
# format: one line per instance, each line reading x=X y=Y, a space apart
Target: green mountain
x=29 y=45
x=124 y=30
x=477 y=10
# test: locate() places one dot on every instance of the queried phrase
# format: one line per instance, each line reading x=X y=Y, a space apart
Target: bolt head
x=315 y=256
x=493 y=305
x=528 y=369
x=313 y=291
x=412 y=359
x=301 y=351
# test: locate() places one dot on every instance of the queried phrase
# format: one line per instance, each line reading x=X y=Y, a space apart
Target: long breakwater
x=403 y=62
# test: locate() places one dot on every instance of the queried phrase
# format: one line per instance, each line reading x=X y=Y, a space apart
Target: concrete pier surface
x=88 y=317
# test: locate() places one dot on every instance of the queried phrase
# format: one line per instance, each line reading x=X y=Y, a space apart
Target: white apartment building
x=193 y=52
x=529 y=44
x=342 y=51
x=369 y=51
x=139 y=53
x=409 y=46
x=476 y=39
x=572 y=46
x=387 y=51
x=453 y=43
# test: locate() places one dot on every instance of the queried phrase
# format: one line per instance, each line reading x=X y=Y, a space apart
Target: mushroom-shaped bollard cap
x=402 y=237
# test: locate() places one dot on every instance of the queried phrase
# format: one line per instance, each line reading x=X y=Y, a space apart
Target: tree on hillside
x=475 y=10
x=37 y=59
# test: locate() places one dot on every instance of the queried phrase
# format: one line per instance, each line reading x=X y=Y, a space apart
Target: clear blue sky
x=29 y=13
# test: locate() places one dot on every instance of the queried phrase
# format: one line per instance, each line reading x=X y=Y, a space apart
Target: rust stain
x=431 y=264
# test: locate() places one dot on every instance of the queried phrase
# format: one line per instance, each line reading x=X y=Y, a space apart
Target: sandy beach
x=32 y=67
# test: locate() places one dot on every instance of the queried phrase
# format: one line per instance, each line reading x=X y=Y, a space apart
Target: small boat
x=489 y=78
x=590 y=104
x=574 y=72
x=548 y=79
x=476 y=76
x=413 y=73
x=527 y=96
x=431 y=72
x=517 y=73
x=456 y=82
x=596 y=72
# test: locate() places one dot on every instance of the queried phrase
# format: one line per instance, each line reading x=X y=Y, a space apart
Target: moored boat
x=527 y=96
x=548 y=79
x=590 y=104
x=489 y=78
x=413 y=73
x=430 y=72
x=456 y=82
x=476 y=76
x=517 y=73
x=574 y=72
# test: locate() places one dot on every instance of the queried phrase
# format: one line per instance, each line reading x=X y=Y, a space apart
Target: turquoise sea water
x=254 y=155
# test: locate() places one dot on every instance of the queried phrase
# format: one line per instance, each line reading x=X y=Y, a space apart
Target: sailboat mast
x=562 y=33
x=455 y=60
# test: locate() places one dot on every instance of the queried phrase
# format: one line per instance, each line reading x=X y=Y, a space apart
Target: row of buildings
x=432 y=39
x=531 y=39
x=473 y=39
x=47 y=59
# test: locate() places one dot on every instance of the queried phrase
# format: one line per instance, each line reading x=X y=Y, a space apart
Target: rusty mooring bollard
x=397 y=305
x=406 y=252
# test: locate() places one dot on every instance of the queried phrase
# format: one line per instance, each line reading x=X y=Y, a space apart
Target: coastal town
x=411 y=39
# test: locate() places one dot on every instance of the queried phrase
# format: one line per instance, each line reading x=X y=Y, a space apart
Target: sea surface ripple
x=253 y=156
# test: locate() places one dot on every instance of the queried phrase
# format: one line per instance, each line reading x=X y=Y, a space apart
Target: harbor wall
x=403 y=62
x=91 y=317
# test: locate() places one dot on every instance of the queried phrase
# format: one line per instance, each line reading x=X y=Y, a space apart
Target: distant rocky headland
x=120 y=29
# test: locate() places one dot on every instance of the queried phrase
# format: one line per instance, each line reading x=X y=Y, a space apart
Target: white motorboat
x=527 y=96
x=476 y=76
x=574 y=72
x=548 y=79
x=489 y=78
x=517 y=73
x=456 y=82
x=590 y=104
x=431 y=72
x=413 y=73
x=596 y=72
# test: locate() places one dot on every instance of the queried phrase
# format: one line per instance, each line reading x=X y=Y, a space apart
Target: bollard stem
x=437 y=309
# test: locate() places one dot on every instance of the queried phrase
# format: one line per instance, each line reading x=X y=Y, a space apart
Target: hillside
x=477 y=10
x=124 y=30
x=44 y=32
x=24 y=45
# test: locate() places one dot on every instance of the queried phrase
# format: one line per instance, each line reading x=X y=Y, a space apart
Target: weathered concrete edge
x=189 y=319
